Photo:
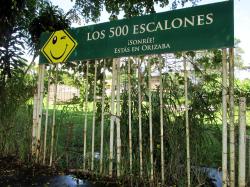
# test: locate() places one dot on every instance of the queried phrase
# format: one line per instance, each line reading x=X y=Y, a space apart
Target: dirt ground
x=15 y=173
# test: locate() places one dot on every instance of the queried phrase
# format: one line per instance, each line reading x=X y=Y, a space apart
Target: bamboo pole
x=46 y=121
x=150 y=123
x=34 y=126
x=54 y=118
x=85 y=118
x=140 y=116
x=242 y=142
x=40 y=112
x=224 y=117
x=118 y=113
x=248 y=140
x=129 y=116
x=187 y=123
x=93 y=122
x=231 y=115
x=102 y=117
x=248 y=156
x=35 y=114
x=161 y=125
x=112 y=119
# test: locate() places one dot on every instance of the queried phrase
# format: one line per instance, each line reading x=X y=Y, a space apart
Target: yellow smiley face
x=59 y=46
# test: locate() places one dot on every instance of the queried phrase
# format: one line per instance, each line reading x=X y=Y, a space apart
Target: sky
x=241 y=20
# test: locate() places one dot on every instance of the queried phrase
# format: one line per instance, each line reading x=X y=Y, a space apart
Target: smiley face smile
x=58 y=57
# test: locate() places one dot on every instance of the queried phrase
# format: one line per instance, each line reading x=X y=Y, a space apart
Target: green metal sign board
x=202 y=27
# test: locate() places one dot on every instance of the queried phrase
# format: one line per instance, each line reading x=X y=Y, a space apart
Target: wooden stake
x=224 y=117
x=46 y=121
x=93 y=122
x=140 y=116
x=85 y=118
x=54 y=118
x=112 y=119
x=150 y=123
x=36 y=113
x=231 y=115
x=187 y=123
x=129 y=117
x=40 y=112
x=34 y=126
x=102 y=117
x=161 y=125
x=248 y=156
x=242 y=142
x=248 y=140
x=118 y=113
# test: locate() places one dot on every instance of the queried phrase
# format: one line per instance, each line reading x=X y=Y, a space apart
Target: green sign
x=202 y=27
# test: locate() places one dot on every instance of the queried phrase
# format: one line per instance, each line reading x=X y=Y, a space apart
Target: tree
x=14 y=90
x=13 y=15
x=91 y=9
x=238 y=51
x=22 y=22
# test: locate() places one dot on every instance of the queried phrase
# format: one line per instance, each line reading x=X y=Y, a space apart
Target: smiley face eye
x=54 y=40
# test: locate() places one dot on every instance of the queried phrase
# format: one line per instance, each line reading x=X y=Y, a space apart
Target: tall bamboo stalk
x=54 y=118
x=34 y=125
x=118 y=113
x=161 y=124
x=224 y=117
x=242 y=142
x=93 y=122
x=140 y=116
x=112 y=119
x=46 y=121
x=248 y=140
x=40 y=108
x=129 y=117
x=231 y=114
x=150 y=123
x=187 y=123
x=85 y=117
x=102 y=117
x=35 y=114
